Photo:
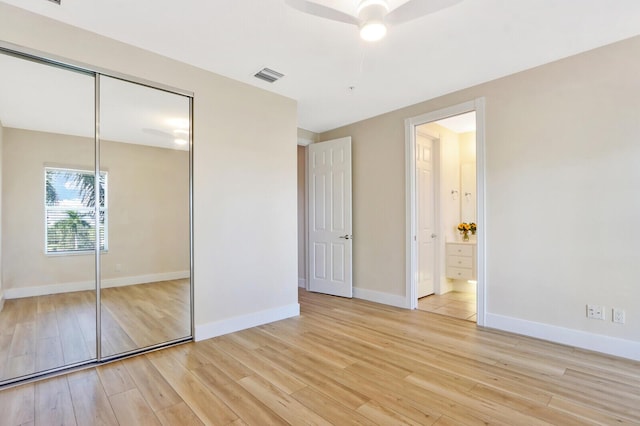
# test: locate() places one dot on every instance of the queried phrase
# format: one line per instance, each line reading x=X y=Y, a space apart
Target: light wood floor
x=455 y=304
x=44 y=332
x=344 y=362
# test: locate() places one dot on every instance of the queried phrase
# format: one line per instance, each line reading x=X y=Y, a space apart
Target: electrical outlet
x=595 y=312
x=618 y=315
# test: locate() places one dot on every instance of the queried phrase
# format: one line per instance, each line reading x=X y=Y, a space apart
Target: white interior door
x=329 y=217
x=425 y=215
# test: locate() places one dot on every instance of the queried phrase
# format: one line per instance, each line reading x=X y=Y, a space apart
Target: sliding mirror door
x=48 y=232
x=145 y=267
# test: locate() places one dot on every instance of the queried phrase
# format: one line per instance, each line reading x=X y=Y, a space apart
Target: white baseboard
x=576 y=338
x=302 y=283
x=380 y=297
x=230 y=325
x=17 y=293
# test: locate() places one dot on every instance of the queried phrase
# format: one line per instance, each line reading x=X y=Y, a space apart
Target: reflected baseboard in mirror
x=45 y=332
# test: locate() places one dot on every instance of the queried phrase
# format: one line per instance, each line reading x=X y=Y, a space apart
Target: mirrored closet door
x=95 y=253
x=48 y=278
x=144 y=153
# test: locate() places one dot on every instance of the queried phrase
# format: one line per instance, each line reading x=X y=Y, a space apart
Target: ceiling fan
x=373 y=16
x=179 y=136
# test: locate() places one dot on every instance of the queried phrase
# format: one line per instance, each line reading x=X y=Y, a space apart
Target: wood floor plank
x=46 y=324
x=281 y=403
x=243 y=403
x=329 y=409
x=382 y=415
x=74 y=348
x=90 y=402
x=201 y=400
x=232 y=367
x=17 y=405
x=131 y=409
x=524 y=406
x=318 y=377
x=447 y=421
x=53 y=404
x=179 y=414
x=342 y=361
x=588 y=414
x=282 y=379
x=22 y=353
x=152 y=385
x=115 y=378
x=48 y=353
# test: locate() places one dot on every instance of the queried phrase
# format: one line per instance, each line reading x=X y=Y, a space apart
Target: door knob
x=434 y=235
x=346 y=237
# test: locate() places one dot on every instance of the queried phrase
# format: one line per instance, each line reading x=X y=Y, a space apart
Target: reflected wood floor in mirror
x=343 y=361
x=44 y=332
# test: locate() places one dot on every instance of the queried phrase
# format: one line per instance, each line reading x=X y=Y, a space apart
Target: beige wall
x=468 y=209
x=244 y=174
x=307 y=135
x=148 y=209
x=304 y=137
x=562 y=178
x=467 y=147
x=302 y=213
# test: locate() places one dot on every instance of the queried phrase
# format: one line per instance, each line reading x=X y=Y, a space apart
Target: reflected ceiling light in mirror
x=178 y=123
x=182 y=136
x=180 y=130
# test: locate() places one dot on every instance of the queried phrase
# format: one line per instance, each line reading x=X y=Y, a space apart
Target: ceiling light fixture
x=371 y=14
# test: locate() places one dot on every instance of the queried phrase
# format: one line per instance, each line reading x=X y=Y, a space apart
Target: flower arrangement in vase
x=465 y=228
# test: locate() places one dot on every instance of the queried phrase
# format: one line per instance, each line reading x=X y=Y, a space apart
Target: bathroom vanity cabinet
x=461 y=260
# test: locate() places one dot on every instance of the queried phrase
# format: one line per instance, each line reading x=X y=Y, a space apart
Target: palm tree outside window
x=70 y=200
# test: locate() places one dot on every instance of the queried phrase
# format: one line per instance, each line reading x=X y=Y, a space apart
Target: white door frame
x=477 y=105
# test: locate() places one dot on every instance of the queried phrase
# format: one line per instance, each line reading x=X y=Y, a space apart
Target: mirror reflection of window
x=70 y=211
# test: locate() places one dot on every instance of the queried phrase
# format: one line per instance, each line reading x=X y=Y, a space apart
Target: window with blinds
x=70 y=201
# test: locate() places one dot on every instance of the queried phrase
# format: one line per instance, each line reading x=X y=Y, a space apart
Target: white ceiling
x=472 y=42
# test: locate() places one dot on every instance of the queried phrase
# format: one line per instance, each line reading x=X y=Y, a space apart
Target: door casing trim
x=477 y=105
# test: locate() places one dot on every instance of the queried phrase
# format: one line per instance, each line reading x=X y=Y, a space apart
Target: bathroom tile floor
x=456 y=304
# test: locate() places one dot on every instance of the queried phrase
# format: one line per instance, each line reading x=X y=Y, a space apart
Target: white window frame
x=104 y=210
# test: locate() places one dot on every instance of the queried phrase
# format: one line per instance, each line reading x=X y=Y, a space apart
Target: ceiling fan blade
x=322 y=11
x=415 y=9
x=159 y=133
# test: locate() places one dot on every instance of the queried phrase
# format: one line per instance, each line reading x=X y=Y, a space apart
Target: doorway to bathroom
x=445 y=198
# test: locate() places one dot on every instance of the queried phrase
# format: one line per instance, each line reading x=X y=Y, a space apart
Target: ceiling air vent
x=269 y=75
